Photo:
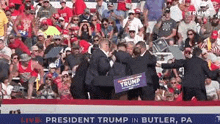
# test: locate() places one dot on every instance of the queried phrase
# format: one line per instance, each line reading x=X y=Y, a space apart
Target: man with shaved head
x=97 y=78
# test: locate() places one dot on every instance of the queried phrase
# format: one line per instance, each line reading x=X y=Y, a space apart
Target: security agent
x=195 y=72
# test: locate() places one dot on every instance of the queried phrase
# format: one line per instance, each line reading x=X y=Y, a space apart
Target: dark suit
x=97 y=77
x=140 y=64
x=195 y=72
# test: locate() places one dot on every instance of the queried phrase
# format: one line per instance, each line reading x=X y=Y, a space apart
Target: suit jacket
x=99 y=67
x=195 y=72
x=145 y=63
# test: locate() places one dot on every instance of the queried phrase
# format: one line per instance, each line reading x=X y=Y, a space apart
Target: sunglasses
x=57 y=39
x=131 y=14
x=105 y=24
x=96 y=40
x=48 y=79
x=190 y=34
x=111 y=23
x=94 y=20
x=75 y=19
x=131 y=31
x=187 y=52
x=8 y=14
x=65 y=76
x=28 y=9
x=46 y=1
x=173 y=82
x=15 y=58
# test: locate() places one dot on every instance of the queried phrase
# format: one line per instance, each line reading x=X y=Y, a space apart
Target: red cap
x=11 y=5
x=73 y=39
x=84 y=45
x=44 y=22
x=20 y=27
x=65 y=31
x=56 y=16
x=214 y=34
x=137 y=10
x=49 y=75
x=218 y=1
x=187 y=1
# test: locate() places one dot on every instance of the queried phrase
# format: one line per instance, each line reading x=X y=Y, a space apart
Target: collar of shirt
x=143 y=53
x=106 y=53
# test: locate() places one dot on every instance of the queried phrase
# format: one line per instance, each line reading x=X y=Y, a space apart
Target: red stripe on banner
x=110 y=102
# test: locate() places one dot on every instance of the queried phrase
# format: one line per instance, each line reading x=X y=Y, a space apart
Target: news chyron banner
x=108 y=112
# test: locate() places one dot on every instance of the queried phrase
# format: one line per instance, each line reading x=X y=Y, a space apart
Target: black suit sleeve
x=208 y=72
x=151 y=60
x=176 y=64
x=103 y=65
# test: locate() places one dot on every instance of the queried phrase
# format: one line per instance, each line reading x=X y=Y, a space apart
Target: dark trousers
x=4 y=70
x=188 y=93
x=100 y=92
x=146 y=93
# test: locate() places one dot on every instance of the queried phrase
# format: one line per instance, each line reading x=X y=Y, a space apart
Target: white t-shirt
x=212 y=89
x=135 y=23
x=183 y=28
x=8 y=89
x=176 y=13
x=135 y=39
x=6 y=51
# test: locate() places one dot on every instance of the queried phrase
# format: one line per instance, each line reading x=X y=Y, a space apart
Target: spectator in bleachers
x=26 y=21
x=48 y=90
x=215 y=4
x=78 y=7
x=167 y=27
x=73 y=23
x=114 y=15
x=51 y=71
x=46 y=10
x=3 y=24
x=65 y=11
x=25 y=3
x=184 y=26
x=14 y=12
x=35 y=55
x=17 y=45
x=7 y=88
x=49 y=31
x=212 y=89
x=211 y=45
x=188 y=7
x=85 y=31
x=85 y=16
x=100 y=8
x=175 y=12
x=132 y=36
x=96 y=26
x=62 y=24
x=14 y=61
x=131 y=21
x=124 y=6
x=209 y=27
x=193 y=39
x=28 y=71
x=153 y=10
x=64 y=88
x=107 y=30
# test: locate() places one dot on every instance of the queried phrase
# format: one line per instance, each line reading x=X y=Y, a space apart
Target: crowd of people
x=74 y=53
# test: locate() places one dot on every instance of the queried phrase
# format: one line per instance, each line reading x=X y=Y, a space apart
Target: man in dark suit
x=145 y=62
x=97 y=78
x=195 y=72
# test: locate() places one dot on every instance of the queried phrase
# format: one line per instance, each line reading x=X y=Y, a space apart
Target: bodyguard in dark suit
x=195 y=72
x=97 y=79
x=145 y=62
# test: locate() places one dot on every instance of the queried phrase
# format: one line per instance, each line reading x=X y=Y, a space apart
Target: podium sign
x=130 y=82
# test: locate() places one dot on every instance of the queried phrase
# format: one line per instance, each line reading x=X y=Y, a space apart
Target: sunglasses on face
x=131 y=31
x=75 y=19
x=48 y=79
x=46 y=1
x=173 y=82
x=94 y=20
x=57 y=40
x=190 y=34
x=105 y=24
x=96 y=40
x=15 y=58
x=131 y=14
x=65 y=76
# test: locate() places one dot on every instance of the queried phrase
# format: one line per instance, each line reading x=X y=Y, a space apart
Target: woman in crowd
x=107 y=30
x=74 y=22
x=85 y=31
x=64 y=87
x=48 y=90
x=192 y=39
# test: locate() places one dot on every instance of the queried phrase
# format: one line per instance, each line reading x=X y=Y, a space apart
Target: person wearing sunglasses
x=107 y=30
x=48 y=30
x=74 y=22
x=14 y=12
x=132 y=36
x=131 y=21
x=27 y=21
x=65 y=11
x=64 y=88
x=95 y=25
x=25 y=2
x=47 y=10
x=14 y=61
x=193 y=40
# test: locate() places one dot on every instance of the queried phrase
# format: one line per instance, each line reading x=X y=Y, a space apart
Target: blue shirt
x=107 y=13
x=154 y=8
